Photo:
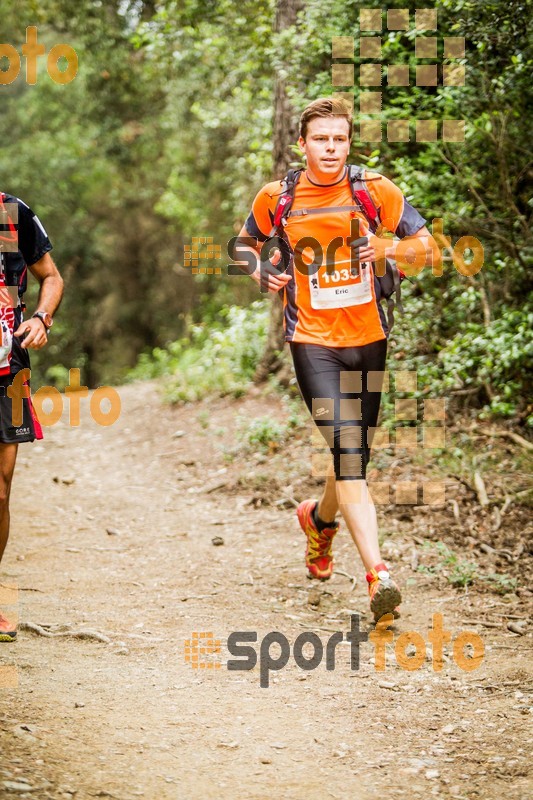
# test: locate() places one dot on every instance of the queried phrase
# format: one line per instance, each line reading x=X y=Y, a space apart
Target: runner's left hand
x=35 y=334
x=364 y=252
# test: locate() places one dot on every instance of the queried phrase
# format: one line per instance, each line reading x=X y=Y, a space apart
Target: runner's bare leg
x=8 y=457
x=359 y=513
x=328 y=504
x=355 y=502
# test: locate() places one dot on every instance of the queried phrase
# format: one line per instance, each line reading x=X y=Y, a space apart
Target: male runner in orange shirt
x=336 y=327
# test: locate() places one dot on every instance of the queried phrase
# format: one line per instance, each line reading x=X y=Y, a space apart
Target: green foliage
x=468 y=338
x=263 y=433
x=88 y=158
x=498 y=358
x=266 y=434
x=166 y=134
x=219 y=358
x=460 y=572
x=490 y=365
x=500 y=582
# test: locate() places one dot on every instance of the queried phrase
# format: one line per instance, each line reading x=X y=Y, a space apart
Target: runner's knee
x=4 y=495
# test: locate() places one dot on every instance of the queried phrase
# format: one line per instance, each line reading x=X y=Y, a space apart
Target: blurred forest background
x=182 y=109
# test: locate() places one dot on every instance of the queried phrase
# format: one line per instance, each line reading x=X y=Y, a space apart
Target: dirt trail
x=112 y=530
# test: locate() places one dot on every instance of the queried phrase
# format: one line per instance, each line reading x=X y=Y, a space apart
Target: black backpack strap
x=396 y=293
x=365 y=203
x=14 y=290
x=285 y=200
x=6 y=221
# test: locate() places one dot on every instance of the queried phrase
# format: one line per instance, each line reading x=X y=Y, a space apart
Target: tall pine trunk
x=274 y=359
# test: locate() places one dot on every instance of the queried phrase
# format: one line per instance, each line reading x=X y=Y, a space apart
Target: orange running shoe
x=7 y=632
x=384 y=593
x=318 y=558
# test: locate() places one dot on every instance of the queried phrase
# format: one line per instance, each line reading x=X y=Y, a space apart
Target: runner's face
x=326 y=146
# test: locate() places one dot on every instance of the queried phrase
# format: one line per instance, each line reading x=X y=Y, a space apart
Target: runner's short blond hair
x=325 y=107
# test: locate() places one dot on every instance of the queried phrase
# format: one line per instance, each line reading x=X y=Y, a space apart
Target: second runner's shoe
x=318 y=557
x=7 y=632
x=384 y=593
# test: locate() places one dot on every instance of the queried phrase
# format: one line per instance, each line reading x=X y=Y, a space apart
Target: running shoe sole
x=385 y=600
x=8 y=637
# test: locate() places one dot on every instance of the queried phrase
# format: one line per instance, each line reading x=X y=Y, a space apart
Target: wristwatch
x=45 y=318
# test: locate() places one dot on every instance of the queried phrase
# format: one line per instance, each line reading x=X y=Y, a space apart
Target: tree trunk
x=285 y=119
x=274 y=359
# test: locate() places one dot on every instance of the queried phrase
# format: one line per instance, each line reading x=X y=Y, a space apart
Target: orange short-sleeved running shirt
x=329 y=300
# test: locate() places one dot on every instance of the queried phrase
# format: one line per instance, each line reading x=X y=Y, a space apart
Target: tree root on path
x=81 y=633
x=527 y=445
x=351 y=578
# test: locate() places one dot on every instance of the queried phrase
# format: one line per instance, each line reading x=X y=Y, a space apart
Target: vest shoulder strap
x=285 y=200
x=362 y=197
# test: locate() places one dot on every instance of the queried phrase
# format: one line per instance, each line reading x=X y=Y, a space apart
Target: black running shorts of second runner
x=27 y=428
x=341 y=387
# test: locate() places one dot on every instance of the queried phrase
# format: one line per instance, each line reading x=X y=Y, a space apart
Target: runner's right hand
x=268 y=277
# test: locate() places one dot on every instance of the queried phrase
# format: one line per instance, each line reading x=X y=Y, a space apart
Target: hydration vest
x=387 y=286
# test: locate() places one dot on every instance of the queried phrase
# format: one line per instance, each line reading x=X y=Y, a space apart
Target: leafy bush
x=219 y=359
x=460 y=572
x=267 y=434
x=262 y=433
x=495 y=360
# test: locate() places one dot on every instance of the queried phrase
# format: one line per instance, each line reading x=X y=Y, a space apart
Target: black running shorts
x=341 y=387
x=29 y=428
